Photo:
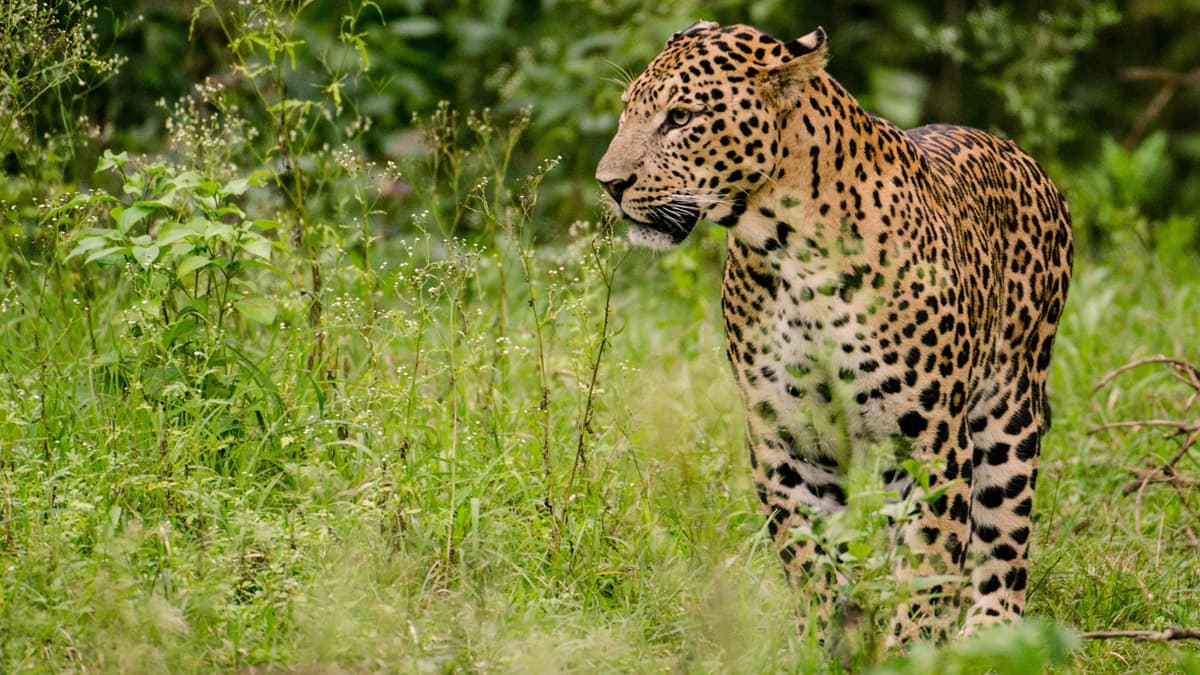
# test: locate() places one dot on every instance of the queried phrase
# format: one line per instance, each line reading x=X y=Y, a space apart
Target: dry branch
x=1166 y=472
x=1144 y=73
x=1171 y=83
x=1137 y=424
x=1155 y=476
x=1180 y=365
x=1165 y=635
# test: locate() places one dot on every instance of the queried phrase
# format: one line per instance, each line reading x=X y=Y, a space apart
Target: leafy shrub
x=1122 y=200
x=174 y=238
x=193 y=263
x=1028 y=648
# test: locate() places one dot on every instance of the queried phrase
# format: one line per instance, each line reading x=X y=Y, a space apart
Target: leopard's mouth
x=652 y=238
x=667 y=226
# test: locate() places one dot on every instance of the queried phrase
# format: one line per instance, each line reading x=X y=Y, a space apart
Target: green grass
x=415 y=506
x=1095 y=568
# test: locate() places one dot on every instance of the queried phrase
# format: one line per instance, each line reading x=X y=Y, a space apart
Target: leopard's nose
x=617 y=187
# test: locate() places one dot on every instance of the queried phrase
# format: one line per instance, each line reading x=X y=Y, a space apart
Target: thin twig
x=1180 y=428
x=1166 y=473
x=1144 y=73
x=1157 y=476
x=1167 y=467
x=1178 y=364
x=1165 y=635
x=585 y=422
x=1193 y=434
x=1171 y=82
x=1185 y=502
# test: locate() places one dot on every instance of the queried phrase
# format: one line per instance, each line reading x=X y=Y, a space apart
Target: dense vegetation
x=319 y=354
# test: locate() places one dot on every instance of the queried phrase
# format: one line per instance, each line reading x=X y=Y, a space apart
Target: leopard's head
x=701 y=128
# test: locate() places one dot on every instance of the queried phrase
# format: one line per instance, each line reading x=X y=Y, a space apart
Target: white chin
x=640 y=235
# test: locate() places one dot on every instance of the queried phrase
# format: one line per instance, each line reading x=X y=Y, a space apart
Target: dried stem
x=1165 y=635
x=585 y=422
x=543 y=410
x=1191 y=371
x=1171 y=83
x=1155 y=476
x=1166 y=472
x=1135 y=424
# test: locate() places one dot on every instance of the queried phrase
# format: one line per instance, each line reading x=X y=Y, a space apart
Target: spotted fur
x=881 y=287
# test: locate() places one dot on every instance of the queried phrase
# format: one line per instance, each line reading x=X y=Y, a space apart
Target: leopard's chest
x=809 y=349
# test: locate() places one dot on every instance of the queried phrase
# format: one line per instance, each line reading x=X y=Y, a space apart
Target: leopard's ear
x=801 y=60
x=813 y=43
x=694 y=28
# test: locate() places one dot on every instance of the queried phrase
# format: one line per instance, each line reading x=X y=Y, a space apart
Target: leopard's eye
x=677 y=117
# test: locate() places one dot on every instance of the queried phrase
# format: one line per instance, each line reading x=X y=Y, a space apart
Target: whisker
x=625 y=76
x=703 y=199
x=768 y=179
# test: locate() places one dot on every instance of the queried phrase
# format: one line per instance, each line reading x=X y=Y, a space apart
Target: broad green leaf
x=237 y=186
x=186 y=180
x=191 y=264
x=256 y=308
x=108 y=160
x=104 y=253
x=229 y=211
x=261 y=264
x=152 y=204
x=207 y=188
x=859 y=550
x=127 y=218
x=257 y=246
x=181 y=332
x=145 y=255
x=159 y=282
x=218 y=230
x=196 y=309
x=86 y=244
x=173 y=233
x=197 y=223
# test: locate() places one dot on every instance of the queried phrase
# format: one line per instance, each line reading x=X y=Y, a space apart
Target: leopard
x=882 y=288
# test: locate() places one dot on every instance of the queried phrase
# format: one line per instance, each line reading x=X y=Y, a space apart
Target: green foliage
x=1056 y=80
x=1119 y=200
x=1028 y=648
x=1027 y=64
x=49 y=59
x=178 y=247
x=864 y=536
x=197 y=283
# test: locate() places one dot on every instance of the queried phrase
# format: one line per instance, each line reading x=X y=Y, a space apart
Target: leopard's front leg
x=795 y=491
x=934 y=543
